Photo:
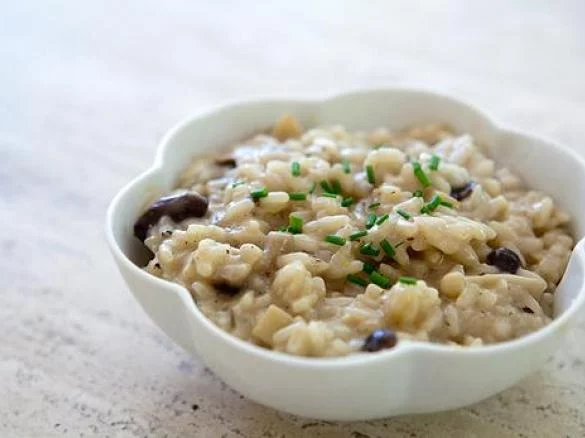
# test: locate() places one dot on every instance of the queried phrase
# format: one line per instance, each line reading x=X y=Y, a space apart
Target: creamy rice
x=330 y=242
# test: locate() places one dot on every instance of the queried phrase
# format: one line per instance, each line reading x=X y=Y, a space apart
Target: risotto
x=331 y=242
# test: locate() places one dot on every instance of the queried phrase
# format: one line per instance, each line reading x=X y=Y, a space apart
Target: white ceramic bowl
x=414 y=377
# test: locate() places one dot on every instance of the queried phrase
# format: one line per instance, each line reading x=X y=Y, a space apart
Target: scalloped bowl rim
x=404 y=347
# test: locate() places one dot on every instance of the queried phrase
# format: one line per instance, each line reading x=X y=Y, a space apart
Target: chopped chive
x=335 y=240
x=369 y=249
x=347 y=202
x=336 y=186
x=434 y=163
x=405 y=214
x=346 y=166
x=260 y=193
x=432 y=205
x=399 y=244
x=374 y=205
x=297 y=196
x=368 y=268
x=325 y=186
x=371 y=220
x=329 y=195
x=282 y=228
x=295 y=224
x=370 y=174
x=382 y=219
x=379 y=279
x=446 y=204
x=358 y=234
x=417 y=194
x=352 y=278
x=312 y=187
x=387 y=248
x=407 y=280
x=420 y=174
x=295 y=168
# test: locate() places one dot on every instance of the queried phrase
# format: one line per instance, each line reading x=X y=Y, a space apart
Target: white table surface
x=86 y=91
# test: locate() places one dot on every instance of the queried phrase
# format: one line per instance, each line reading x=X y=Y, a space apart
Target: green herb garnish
x=405 y=214
x=346 y=202
x=346 y=166
x=335 y=240
x=260 y=193
x=368 y=268
x=434 y=163
x=374 y=205
x=295 y=225
x=387 y=248
x=380 y=279
x=336 y=186
x=382 y=219
x=432 y=205
x=329 y=195
x=370 y=174
x=312 y=187
x=295 y=168
x=407 y=280
x=417 y=194
x=420 y=174
x=357 y=235
x=326 y=187
x=297 y=196
x=369 y=249
x=371 y=220
x=352 y=278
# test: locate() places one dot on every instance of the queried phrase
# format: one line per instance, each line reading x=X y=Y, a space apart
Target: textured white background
x=87 y=89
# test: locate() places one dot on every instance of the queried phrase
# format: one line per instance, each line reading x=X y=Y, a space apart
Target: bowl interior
x=542 y=164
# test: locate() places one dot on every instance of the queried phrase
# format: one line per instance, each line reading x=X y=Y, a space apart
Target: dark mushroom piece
x=226 y=160
x=226 y=289
x=380 y=339
x=178 y=207
x=504 y=259
x=460 y=193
